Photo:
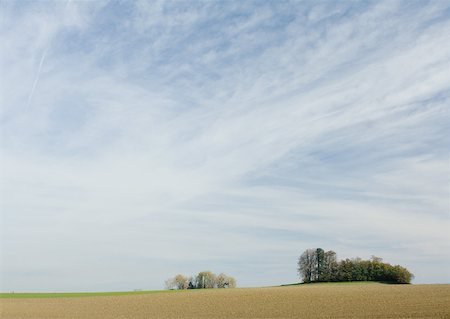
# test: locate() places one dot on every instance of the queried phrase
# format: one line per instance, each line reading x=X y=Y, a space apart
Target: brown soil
x=306 y=301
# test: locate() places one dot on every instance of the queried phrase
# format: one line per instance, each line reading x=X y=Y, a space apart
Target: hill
x=305 y=301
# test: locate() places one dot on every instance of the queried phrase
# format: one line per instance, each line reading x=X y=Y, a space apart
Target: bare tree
x=231 y=282
x=170 y=284
x=306 y=265
x=178 y=282
x=221 y=280
x=181 y=281
x=205 y=279
x=224 y=281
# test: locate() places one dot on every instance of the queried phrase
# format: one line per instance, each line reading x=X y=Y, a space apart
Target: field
x=303 y=301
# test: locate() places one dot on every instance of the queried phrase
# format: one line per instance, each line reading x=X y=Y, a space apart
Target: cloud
x=165 y=138
x=33 y=88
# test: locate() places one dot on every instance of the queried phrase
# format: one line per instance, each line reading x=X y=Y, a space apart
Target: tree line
x=317 y=265
x=204 y=279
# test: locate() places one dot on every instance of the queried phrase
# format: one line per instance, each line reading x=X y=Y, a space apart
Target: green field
x=77 y=294
x=347 y=283
x=142 y=292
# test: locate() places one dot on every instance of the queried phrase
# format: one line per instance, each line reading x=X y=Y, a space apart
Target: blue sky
x=144 y=139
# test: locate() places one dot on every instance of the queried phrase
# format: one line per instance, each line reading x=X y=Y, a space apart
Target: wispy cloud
x=33 y=88
x=171 y=137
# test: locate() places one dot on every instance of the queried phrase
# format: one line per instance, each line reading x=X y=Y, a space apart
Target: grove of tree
x=317 y=265
x=204 y=279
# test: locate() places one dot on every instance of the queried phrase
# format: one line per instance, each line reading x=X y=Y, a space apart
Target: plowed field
x=304 y=301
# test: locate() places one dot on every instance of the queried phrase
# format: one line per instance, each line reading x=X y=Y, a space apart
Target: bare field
x=305 y=301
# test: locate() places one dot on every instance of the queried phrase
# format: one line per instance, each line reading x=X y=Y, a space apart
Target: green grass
x=121 y=293
x=76 y=294
x=339 y=283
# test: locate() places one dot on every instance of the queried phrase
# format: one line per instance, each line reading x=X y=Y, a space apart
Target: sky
x=144 y=139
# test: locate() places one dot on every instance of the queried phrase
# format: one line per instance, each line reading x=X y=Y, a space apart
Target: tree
x=170 y=284
x=224 y=281
x=330 y=266
x=317 y=265
x=319 y=258
x=182 y=282
x=402 y=275
x=205 y=279
x=231 y=282
x=345 y=270
x=306 y=265
x=312 y=265
x=178 y=282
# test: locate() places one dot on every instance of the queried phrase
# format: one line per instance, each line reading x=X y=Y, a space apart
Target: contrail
x=36 y=80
